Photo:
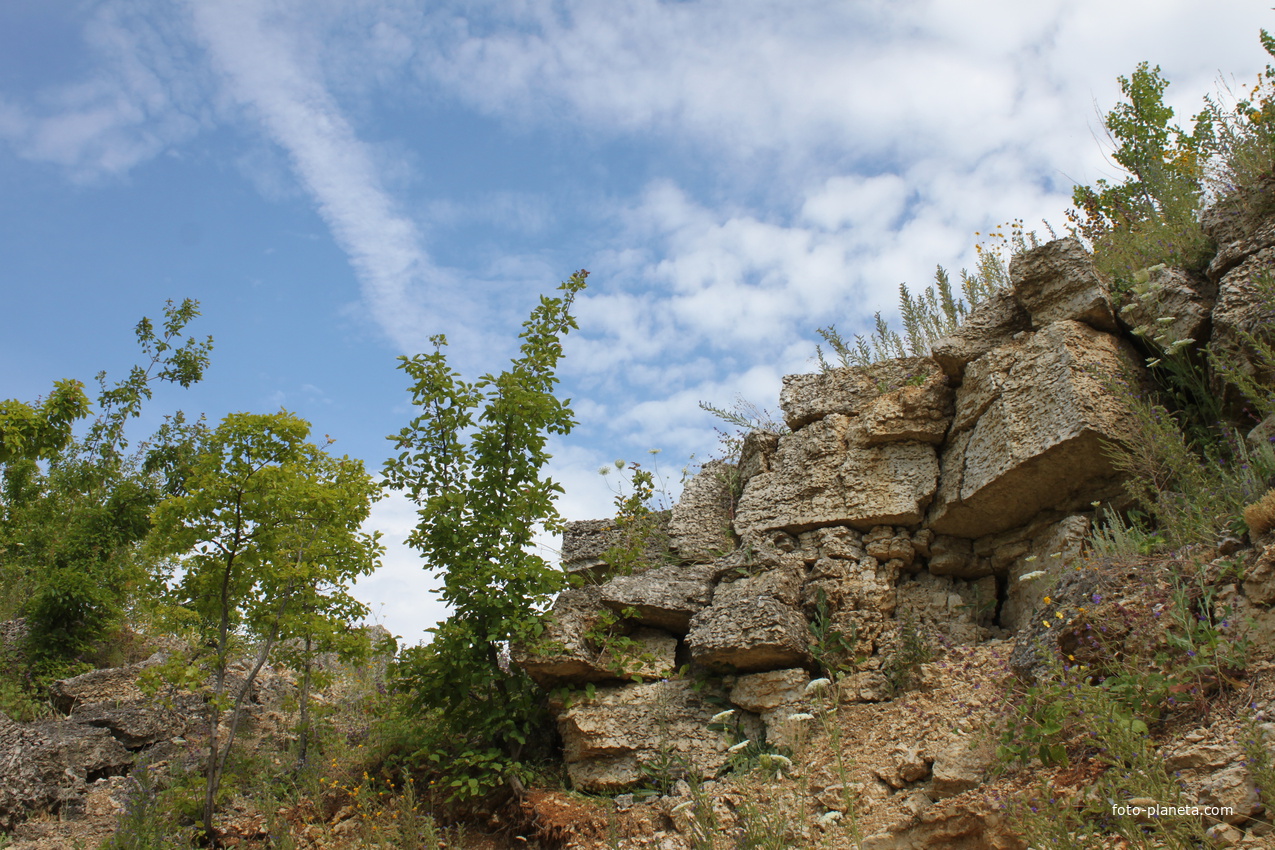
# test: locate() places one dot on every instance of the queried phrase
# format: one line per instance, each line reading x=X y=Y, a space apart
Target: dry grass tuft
x=1260 y=516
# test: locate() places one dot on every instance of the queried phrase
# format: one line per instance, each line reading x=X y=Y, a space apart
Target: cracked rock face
x=1031 y=421
x=1058 y=282
x=751 y=626
x=609 y=739
x=829 y=474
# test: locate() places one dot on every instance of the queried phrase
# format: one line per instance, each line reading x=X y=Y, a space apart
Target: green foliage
x=144 y=822
x=1245 y=142
x=267 y=532
x=31 y=432
x=638 y=520
x=833 y=650
x=1253 y=380
x=1152 y=216
x=1190 y=475
x=473 y=462
x=902 y=668
x=70 y=530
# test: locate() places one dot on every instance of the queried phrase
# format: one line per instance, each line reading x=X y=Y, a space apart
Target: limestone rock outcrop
x=1032 y=418
x=699 y=529
x=610 y=738
x=925 y=500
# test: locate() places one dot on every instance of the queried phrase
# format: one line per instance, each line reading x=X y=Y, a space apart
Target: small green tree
x=1152 y=215
x=473 y=461
x=268 y=538
x=70 y=528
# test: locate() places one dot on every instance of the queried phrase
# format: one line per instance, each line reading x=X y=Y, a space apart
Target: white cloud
x=271 y=71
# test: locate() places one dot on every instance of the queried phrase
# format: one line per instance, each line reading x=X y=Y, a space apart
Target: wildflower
x=800 y=717
x=722 y=716
x=1048 y=599
x=817 y=685
x=1035 y=574
x=829 y=818
x=742 y=745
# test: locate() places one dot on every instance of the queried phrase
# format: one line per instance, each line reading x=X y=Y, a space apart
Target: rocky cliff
x=940 y=495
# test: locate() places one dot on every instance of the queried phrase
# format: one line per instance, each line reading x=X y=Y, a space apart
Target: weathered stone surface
x=959 y=767
x=919 y=411
x=46 y=766
x=960 y=611
x=747 y=628
x=756 y=453
x=142 y=723
x=952 y=825
x=607 y=739
x=954 y=556
x=1051 y=547
x=700 y=528
x=646 y=654
x=1058 y=282
x=565 y=653
x=810 y=397
x=760 y=692
x=1171 y=306
x=113 y=685
x=585 y=543
x=1259 y=579
x=1031 y=421
x=990 y=325
x=775 y=696
x=827 y=474
x=1244 y=308
x=666 y=597
x=1241 y=225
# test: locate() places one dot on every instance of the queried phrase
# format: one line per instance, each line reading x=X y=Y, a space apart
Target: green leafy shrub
x=473 y=462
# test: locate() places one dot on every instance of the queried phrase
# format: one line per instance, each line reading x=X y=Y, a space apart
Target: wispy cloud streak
x=268 y=71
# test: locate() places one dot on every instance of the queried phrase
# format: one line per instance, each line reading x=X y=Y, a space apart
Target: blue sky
x=337 y=180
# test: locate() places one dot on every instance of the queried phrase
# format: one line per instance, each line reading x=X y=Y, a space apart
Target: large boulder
x=585 y=543
x=566 y=652
x=665 y=597
x=829 y=473
x=990 y=325
x=47 y=767
x=753 y=624
x=1171 y=306
x=1033 y=419
x=614 y=739
x=700 y=528
x=1058 y=282
x=810 y=397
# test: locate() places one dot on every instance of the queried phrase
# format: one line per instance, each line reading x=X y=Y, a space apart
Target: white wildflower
x=829 y=818
x=818 y=685
x=722 y=716
x=800 y=717
x=1032 y=576
x=740 y=746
